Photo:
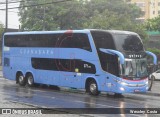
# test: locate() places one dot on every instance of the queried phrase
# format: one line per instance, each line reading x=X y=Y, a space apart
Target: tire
x=92 y=88
x=30 y=80
x=21 y=79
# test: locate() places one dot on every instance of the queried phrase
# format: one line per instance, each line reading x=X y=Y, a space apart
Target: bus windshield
x=134 y=69
x=126 y=42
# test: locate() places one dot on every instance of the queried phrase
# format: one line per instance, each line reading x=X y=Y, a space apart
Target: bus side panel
x=24 y=65
x=107 y=82
x=21 y=64
x=46 y=77
x=7 y=69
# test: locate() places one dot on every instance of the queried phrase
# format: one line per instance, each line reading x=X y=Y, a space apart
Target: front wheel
x=93 y=89
x=30 y=80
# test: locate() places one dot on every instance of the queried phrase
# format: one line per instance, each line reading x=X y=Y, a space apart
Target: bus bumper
x=125 y=89
x=132 y=87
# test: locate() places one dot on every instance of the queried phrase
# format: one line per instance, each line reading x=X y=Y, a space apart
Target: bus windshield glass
x=134 y=68
x=128 y=42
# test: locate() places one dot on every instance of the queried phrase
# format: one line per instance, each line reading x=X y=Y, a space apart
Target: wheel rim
x=30 y=80
x=21 y=79
x=93 y=88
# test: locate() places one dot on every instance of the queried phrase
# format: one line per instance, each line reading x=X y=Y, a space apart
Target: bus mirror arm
x=154 y=57
x=114 y=52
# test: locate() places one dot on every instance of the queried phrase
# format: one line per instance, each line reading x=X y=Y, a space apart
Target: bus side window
x=108 y=62
x=82 y=41
x=10 y=41
x=6 y=62
x=77 y=40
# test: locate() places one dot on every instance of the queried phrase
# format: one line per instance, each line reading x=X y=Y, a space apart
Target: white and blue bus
x=94 y=60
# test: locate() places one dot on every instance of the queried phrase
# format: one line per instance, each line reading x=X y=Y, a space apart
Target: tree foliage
x=79 y=14
x=115 y=14
x=63 y=15
x=1 y=29
x=154 y=50
x=153 y=24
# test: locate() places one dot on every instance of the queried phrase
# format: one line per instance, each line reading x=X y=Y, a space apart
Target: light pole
x=6 y=15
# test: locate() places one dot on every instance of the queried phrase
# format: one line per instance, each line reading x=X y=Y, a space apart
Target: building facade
x=151 y=8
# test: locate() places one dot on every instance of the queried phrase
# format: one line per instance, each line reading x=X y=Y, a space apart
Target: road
x=12 y=95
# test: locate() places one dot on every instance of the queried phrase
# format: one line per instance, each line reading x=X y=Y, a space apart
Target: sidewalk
x=155 y=89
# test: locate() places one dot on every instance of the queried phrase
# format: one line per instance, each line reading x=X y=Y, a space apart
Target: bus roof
x=47 y=32
x=70 y=31
x=116 y=31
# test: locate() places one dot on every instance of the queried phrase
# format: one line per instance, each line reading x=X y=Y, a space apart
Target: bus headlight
x=123 y=83
x=120 y=82
x=146 y=83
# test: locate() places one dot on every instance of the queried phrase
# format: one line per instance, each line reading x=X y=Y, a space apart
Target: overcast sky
x=13 y=20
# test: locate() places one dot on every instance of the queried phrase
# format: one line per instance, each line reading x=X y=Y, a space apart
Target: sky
x=13 y=19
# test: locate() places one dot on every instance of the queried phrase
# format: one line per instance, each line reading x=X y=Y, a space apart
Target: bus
x=90 y=59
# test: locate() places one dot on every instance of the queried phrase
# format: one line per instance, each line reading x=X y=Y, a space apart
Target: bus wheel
x=93 y=89
x=21 y=79
x=30 y=80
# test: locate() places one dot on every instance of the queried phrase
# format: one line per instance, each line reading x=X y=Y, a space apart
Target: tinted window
x=69 y=65
x=108 y=62
x=126 y=42
x=66 y=40
x=103 y=40
x=31 y=40
x=74 y=41
x=6 y=62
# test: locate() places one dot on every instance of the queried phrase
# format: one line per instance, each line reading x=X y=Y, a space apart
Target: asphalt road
x=14 y=96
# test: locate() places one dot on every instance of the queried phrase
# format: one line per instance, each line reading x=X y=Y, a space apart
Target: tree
x=153 y=24
x=1 y=34
x=115 y=14
x=80 y=14
x=65 y=15
x=1 y=29
x=118 y=6
x=34 y=17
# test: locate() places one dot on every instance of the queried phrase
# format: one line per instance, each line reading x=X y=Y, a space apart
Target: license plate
x=136 y=90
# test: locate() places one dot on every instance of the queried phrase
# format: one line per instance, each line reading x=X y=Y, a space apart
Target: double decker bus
x=94 y=60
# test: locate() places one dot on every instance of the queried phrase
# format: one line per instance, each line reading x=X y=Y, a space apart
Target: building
x=151 y=8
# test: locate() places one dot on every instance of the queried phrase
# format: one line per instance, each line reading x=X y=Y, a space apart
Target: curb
x=153 y=93
x=150 y=93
